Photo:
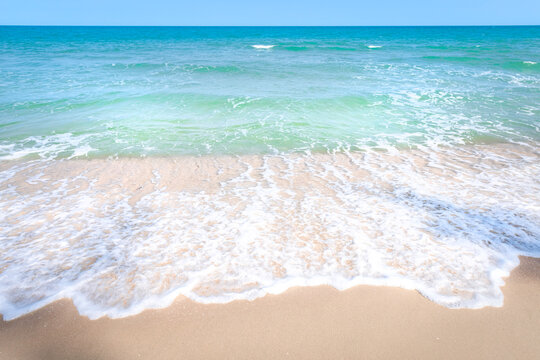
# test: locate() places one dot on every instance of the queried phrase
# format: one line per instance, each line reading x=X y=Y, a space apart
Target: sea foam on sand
x=123 y=235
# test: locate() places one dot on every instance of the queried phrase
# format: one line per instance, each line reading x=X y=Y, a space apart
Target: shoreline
x=122 y=235
x=307 y=322
x=519 y=146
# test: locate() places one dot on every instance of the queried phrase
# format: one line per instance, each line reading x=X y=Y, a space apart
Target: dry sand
x=303 y=323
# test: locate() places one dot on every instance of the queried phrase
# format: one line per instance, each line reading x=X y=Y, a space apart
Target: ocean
x=138 y=164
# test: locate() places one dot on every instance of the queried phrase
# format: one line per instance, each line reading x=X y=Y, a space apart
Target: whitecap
x=263 y=46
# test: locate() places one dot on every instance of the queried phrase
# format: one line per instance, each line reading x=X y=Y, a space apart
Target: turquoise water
x=100 y=91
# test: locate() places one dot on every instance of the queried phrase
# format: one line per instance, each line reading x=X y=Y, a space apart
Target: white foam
x=121 y=236
x=530 y=62
x=82 y=151
x=374 y=46
x=47 y=147
x=262 y=46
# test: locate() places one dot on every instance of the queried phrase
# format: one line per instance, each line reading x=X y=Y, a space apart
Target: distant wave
x=340 y=48
x=263 y=46
x=195 y=68
x=530 y=62
x=298 y=48
x=374 y=46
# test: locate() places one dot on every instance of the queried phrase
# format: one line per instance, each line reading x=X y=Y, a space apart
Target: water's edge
x=118 y=236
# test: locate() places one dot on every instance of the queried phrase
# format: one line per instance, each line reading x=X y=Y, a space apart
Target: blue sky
x=276 y=12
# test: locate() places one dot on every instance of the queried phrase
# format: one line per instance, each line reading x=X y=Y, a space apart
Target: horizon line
x=102 y=25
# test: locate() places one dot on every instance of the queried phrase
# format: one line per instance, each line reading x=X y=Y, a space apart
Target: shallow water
x=121 y=235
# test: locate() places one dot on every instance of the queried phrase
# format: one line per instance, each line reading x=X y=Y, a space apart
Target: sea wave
x=263 y=46
x=120 y=236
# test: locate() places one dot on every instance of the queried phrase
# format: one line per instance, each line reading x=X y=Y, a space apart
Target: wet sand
x=303 y=323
